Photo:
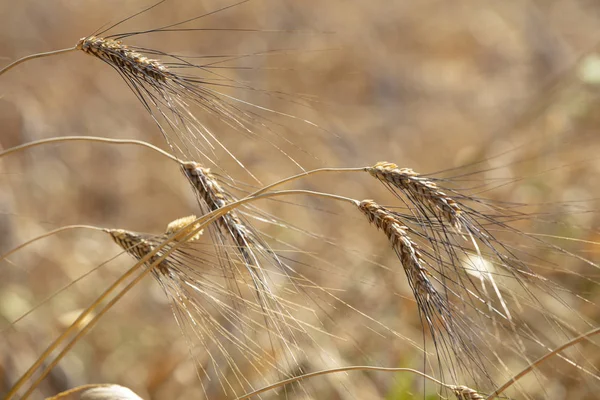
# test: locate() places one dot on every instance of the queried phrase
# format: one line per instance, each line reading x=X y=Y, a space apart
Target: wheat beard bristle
x=433 y=306
x=421 y=189
x=135 y=245
x=123 y=58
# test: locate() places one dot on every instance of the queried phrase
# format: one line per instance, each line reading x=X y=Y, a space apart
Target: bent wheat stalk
x=92 y=139
x=458 y=390
x=540 y=360
x=34 y=56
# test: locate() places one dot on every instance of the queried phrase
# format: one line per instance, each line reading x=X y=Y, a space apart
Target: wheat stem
x=33 y=56
x=88 y=139
x=540 y=360
x=457 y=389
x=90 y=323
x=304 y=174
x=66 y=333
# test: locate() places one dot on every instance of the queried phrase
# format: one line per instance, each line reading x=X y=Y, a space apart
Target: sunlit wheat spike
x=435 y=309
x=183 y=227
x=466 y=393
x=421 y=189
x=131 y=242
x=251 y=249
x=113 y=52
x=169 y=90
x=410 y=255
x=214 y=197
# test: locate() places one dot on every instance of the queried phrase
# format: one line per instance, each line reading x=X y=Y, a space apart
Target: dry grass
x=499 y=249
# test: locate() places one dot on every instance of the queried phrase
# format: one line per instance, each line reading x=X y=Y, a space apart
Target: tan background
x=430 y=85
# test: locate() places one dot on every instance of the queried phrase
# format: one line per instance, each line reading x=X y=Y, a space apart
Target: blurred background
x=429 y=85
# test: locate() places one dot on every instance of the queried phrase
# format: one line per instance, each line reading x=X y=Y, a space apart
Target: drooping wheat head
x=447 y=327
x=488 y=282
x=169 y=89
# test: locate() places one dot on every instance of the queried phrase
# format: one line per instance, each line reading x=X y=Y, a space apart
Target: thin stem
x=45 y=235
x=335 y=370
x=70 y=330
x=304 y=174
x=78 y=389
x=213 y=215
x=32 y=56
x=56 y=293
x=87 y=328
x=541 y=360
x=87 y=139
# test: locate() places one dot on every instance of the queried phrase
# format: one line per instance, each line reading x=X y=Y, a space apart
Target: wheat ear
x=421 y=189
x=212 y=194
x=113 y=52
x=410 y=255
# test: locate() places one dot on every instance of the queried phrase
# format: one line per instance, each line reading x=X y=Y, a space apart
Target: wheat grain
x=181 y=228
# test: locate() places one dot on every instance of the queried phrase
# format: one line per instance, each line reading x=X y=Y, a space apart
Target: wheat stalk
x=434 y=308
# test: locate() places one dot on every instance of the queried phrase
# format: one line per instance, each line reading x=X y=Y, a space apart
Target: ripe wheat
x=248 y=327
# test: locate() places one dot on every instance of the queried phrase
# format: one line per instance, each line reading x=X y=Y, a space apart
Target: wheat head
x=423 y=190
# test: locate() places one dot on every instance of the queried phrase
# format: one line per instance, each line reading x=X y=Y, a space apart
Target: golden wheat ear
x=212 y=197
x=447 y=328
x=115 y=53
x=422 y=190
x=183 y=228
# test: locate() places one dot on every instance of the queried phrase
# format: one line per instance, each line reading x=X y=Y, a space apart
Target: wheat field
x=467 y=270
